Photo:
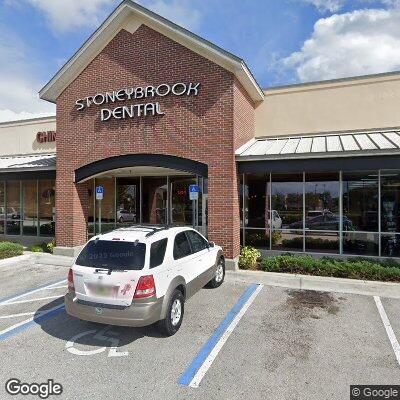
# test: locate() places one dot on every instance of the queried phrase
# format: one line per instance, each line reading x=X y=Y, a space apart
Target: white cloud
x=18 y=86
x=354 y=43
x=66 y=15
x=326 y=5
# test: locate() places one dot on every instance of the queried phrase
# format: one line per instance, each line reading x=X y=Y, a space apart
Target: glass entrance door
x=181 y=207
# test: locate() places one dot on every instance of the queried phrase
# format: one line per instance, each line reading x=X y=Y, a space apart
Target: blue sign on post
x=194 y=192
x=99 y=192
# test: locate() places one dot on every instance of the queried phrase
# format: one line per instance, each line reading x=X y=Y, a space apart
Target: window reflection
x=2 y=207
x=107 y=205
x=13 y=208
x=287 y=240
x=181 y=208
x=390 y=197
x=47 y=207
x=256 y=204
x=155 y=192
x=361 y=243
x=322 y=201
x=287 y=201
x=322 y=242
x=128 y=201
x=360 y=201
x=390 y=245
x=29 y=224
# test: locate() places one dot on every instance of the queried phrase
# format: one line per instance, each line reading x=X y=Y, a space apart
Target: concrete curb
x=320 y=283
x=50 y=259
x=14 y=260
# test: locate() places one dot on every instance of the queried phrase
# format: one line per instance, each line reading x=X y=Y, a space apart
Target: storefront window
x=30 y=220
x=128 y=201
x=360 y=201
x=181 y=209
x=91 y=206
x=155 y=200
x=287 y=240
x=2 y=207
x=257 y=206
x=287 y=201
x=322 y=201
x=13 y=208
x=107 y=205
x=46 y=207
x=363 y=244
x=390 y=197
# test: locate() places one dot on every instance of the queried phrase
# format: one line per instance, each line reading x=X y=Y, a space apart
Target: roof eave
x=55 y=86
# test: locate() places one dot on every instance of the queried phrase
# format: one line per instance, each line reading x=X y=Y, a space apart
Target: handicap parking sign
x=99 y=192
x=194 y=192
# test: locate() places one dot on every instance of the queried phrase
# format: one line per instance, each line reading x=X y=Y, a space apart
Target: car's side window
x=198 y=242
x=181 y=246
x=157 y=252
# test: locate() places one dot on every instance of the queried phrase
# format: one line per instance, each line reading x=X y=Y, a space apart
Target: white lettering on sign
x=136 y=110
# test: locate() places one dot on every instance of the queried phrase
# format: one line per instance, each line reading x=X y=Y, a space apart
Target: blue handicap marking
x=99 y=189
x=194 y=189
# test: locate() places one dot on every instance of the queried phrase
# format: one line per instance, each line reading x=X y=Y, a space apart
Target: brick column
x=72 y=211
x=223 y=209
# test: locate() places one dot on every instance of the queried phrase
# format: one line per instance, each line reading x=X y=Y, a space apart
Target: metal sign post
x=99 y=198
x=194 y=196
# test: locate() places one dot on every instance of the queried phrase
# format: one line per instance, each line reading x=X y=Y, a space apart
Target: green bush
x=43 y=248
x=248 y=257
x=36 y=249
x=9 y=249
x=354 y=269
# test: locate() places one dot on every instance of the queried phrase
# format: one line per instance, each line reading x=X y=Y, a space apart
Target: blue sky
x=282 y=41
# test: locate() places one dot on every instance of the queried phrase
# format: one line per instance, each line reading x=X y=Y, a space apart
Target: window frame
x=190 y=246
x=165 y=252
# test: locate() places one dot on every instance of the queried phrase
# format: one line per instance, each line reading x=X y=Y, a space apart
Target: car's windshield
x=113 y=255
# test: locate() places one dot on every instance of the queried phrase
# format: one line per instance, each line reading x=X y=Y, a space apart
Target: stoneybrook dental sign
x=142 y=109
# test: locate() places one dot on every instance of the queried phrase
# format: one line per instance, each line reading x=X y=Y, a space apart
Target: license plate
x=103 y=291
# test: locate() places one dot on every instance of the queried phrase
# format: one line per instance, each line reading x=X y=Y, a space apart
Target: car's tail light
x=71 y=279
x=145 y=287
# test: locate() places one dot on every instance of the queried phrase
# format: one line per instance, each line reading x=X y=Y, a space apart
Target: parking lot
x=288 y=344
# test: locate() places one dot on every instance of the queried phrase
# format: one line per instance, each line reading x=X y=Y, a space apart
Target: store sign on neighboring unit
x=45 y=137
x=136 y=110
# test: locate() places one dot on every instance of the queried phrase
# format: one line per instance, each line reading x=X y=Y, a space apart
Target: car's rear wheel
x=174 y=315
x=219 y=274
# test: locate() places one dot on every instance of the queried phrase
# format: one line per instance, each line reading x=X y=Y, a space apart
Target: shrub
x=248 y=257
x=43 y=248
x=355 y=269
x=36 y=249
x=9 y=249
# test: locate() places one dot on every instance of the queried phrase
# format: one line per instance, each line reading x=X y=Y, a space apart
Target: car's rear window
x=113 y=255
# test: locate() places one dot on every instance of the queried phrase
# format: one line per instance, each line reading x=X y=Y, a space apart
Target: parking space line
x=389 y=330
x=200 y=365
x=17 y=315
x=54 y=287
x=30 y=300
x=30 y=291
x=24 y=325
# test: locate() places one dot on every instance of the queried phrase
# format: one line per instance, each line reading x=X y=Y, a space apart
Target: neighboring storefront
x=145 y=109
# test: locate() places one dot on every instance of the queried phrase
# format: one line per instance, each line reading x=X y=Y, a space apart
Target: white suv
x=141 y=275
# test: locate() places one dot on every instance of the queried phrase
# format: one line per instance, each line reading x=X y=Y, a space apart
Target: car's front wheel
x=174 y=315
x=219 y=274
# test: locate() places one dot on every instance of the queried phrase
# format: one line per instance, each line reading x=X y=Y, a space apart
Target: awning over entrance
x=337 y=151
x=28 y=166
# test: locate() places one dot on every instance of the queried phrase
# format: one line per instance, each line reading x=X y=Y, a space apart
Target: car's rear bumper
x=138 y=314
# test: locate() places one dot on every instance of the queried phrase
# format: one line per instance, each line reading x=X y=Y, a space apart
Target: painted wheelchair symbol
x=104 y=335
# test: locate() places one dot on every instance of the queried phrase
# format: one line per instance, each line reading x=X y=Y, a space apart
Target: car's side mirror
x=211 y=244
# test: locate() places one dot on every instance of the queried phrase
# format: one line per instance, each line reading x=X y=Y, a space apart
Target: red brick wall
x=200 y=128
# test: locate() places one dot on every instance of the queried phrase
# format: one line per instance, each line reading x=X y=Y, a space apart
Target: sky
x=282 y=41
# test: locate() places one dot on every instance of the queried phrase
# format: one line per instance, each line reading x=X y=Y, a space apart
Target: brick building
x=145 y=109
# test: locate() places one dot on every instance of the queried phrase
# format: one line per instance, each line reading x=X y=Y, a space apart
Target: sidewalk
x=320 y=283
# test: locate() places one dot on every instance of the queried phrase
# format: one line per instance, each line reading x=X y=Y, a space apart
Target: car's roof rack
x=153 y=229
x=156 y=230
